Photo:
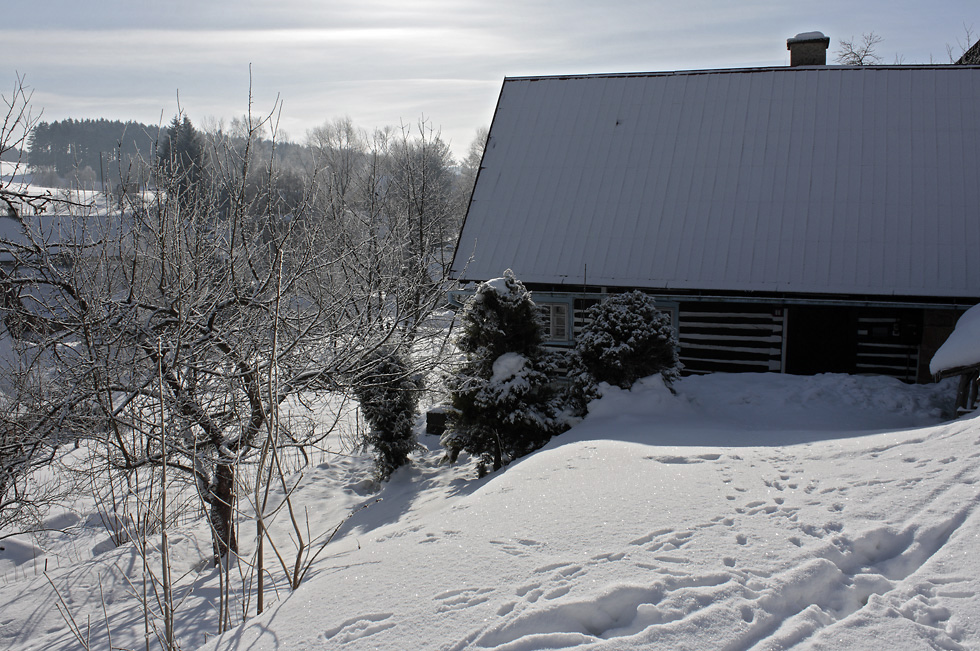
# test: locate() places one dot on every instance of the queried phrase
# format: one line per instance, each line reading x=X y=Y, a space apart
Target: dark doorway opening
x=821 y=340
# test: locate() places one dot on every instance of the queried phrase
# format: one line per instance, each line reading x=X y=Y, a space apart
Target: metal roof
x=844 y=180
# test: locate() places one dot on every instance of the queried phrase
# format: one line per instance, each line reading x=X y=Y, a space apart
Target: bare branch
x=859 y=53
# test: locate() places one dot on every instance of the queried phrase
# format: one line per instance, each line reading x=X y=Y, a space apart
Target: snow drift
x=746 y=512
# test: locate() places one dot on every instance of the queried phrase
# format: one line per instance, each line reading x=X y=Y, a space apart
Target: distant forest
x=89 y=151
x=96 y=154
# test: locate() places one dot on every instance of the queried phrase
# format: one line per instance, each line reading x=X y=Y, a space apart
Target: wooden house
x=798 y=219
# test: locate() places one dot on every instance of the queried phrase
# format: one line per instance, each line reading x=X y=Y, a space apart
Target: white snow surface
x=806 y=36
x=962 y=348
x=758 y=511
x=498 y=285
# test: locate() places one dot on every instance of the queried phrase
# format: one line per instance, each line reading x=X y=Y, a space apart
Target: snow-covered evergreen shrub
x=388 y=393
x=501 y=403
x=626 y=338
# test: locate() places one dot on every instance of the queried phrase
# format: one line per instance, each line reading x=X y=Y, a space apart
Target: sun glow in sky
x=389 y=63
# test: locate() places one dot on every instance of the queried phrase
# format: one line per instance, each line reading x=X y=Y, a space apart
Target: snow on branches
x=626 y=338
x=502 y=406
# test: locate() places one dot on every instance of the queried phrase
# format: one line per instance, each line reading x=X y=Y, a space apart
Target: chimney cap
x=808 y=49
x=808 y=37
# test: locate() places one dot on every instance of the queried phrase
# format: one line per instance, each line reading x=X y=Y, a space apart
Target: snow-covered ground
x=746 y=512
x=8 y=169
x=17 y=177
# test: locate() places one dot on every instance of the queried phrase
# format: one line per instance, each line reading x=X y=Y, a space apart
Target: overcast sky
x=384 y=62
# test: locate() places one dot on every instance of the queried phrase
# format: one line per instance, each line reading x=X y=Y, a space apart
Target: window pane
x=545 y=310
x=560 y=321
x=554 y=319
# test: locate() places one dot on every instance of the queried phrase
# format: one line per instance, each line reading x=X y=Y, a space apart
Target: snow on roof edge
x=711 y=71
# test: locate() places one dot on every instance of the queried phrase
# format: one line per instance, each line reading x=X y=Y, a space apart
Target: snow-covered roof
x=844 y=180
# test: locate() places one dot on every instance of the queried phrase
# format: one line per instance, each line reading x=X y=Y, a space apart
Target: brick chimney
x=808 y=49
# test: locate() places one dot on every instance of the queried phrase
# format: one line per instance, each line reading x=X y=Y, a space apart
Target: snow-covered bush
x=501 y=403
x=626 y=338
x=388 y=393
x=961 y=349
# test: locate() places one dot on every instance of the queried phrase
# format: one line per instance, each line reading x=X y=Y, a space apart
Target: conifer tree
x=501 y=405
x=388 y=393
x=626 y=338
x=181 y=159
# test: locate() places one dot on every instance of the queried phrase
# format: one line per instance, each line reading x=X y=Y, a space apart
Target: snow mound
x=962 y=348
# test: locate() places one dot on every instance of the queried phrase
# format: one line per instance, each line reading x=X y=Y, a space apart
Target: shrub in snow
x=626 y=338
x=388 y=393
x=501 y=403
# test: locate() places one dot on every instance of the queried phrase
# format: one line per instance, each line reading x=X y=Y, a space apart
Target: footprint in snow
x=609 y=557
x=549 y=567
x=747 y=614
x=527 y=589
x=506 y=608
x=650 y=536
x=462 y=598
x=521 y=547
x=558 y=592
x=357 y=628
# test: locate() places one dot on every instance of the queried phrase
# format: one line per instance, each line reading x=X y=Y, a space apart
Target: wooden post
x=961 y=393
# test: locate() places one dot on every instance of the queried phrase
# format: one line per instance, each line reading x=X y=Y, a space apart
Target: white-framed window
x=554 y=316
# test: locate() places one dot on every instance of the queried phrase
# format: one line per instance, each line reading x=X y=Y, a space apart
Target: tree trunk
x=498 y=460
x=222 y=511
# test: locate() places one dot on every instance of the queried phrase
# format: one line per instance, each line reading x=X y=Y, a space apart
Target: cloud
x=381 y=61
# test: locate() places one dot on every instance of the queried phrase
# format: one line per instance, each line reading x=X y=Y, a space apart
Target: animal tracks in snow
x=664 y=540
x=679 y=459
x=650 y=536
x=775 y=566
x=357 y=628
x=839 y=573
x=462 y=598
x=518 y=547
x=610 y=557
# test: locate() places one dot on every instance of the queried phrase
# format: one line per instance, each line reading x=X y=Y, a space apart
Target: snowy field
x=746 y=512
x=18 y=178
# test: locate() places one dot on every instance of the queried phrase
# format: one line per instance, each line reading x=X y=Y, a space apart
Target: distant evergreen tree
x=502 y=407
x=388 y=393
x=626 y=338
x=180 y=158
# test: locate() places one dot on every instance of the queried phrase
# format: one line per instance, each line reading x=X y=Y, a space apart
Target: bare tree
x=15 y=129
x=967 y=51
x=393 y=195
x=23 y=450
x=165 y=327
x=423 y=214
x=23 y=446
x=470 y=165
x=188 y=284
x=859 y=53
